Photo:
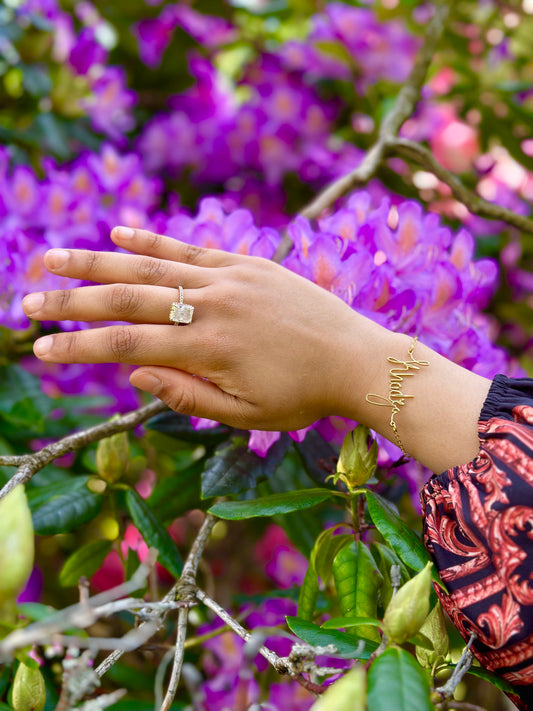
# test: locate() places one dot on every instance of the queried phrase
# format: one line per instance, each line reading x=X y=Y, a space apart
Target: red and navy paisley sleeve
x=478 y=526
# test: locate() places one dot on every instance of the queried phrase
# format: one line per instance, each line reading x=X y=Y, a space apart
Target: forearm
x=437 y=419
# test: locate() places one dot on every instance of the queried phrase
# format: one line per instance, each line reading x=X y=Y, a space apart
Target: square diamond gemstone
x=181 y=313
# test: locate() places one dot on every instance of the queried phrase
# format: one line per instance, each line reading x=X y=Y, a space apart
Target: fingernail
x=56 y=258
x=124 y=232
x=147 y=382
x=42 y=346
x=32 y=303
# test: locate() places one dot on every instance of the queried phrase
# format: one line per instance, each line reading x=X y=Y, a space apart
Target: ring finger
x=115 y=302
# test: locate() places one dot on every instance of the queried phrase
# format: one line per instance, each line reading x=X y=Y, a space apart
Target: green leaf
x=84 y=562
x=270 y=505
x=385 y=558
x=348 y=647
x=357 y=580
x=39 y=495
x=396 y=674
x=308 y=596
x=405 y=543
x=492 y=678
x=66 y=512
x=234 y=468
x=180 y=427
x=153 y=532
x=175 y=495
x=338 y=622
x=326 y=547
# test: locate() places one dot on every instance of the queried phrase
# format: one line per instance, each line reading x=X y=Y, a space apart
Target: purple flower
x=87 y=51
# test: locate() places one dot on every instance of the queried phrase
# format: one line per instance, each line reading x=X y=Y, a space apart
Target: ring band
x=180 y=312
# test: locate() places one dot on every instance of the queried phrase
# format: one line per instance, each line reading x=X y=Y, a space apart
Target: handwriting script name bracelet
x=396 y=398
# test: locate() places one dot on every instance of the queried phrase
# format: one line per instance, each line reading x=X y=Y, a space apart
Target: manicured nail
x=123 y=232
x=32 y=303
x=56 y=258
x=42 y=346
x=147 y=382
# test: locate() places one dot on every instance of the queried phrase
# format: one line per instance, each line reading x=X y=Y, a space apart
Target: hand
x=266 y=348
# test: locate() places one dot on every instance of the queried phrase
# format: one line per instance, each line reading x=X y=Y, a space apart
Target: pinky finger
x=190 y=395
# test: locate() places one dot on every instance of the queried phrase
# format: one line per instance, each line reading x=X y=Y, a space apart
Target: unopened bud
x=408 y=609
x=113 y=456
x=346 y=694
x=29 y=692
x=357 y=461
x=16 y=544
x=434 y=628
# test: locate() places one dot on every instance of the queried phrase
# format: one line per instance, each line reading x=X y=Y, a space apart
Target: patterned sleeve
x=478 y=526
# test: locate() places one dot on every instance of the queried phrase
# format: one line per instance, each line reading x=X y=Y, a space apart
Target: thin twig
x=178 y=660
x=475 y=204
x=79 y=615
x=406 y=101
x=190 y=569
x=185 y=592
x=30 y=464
x=463 y=665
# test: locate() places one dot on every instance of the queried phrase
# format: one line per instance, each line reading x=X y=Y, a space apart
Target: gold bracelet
x=396 y=399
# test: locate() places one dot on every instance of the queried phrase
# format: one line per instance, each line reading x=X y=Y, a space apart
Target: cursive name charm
x=396 y=398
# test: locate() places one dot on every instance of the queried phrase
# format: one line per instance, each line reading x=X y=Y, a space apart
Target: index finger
x=155 y=245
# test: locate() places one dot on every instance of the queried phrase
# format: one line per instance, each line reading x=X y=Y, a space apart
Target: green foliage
x=154 y=533
x=270 y=505
x=396 y=675
x=347 y=646
x=66 y=511
x=85 y=561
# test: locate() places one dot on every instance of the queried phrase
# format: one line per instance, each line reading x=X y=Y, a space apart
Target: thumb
x=190 y=395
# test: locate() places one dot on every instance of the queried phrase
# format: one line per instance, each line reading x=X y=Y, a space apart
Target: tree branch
x=476 y=205
x=406 y=101
x=30 y=464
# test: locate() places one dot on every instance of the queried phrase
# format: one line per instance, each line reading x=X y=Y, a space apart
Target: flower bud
x=29 y=692
x=16 y=544
x=357 y=462
x=409 y=608
x=434 y=628
x=346 y=694
x=113 y=457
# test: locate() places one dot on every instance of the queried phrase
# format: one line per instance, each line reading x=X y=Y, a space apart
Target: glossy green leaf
x=270 y=505
x=154 y=533
x=175 y=495
x=84 y=562
x=39 y=495
x=385 y=558
x=357 y=580
x=66 y=512
x=492 y=678
x=396 y=674
x=308 y=595
x=326 y=547
x=405 y=543
x=234 y=468
x=338 y=622
x=348 y=647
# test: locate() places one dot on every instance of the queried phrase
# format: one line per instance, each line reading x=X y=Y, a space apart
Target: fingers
x=112 y=267
x=137 y=344
x=115 y=302
x=154 y=245
x=189 y=395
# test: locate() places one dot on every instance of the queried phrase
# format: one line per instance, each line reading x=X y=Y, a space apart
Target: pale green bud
x=434 y=628
x=29 y=692
x=346 y=694
x=16 y=544
x=112 y=457
x=408 y=609
x=357 y=462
